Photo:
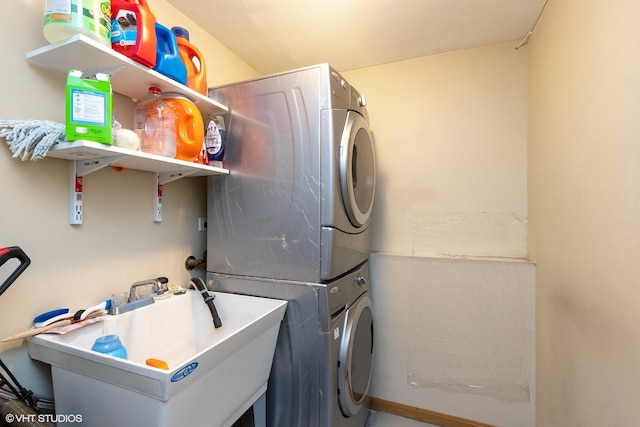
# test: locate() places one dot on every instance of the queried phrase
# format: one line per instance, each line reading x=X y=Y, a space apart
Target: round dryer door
x=357 y=169
x=356 y=357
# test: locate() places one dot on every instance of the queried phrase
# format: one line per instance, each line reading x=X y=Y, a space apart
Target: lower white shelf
x=130 y=159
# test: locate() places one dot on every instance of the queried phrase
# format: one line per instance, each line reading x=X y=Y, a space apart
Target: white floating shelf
x=88 y=152
x=128 y=77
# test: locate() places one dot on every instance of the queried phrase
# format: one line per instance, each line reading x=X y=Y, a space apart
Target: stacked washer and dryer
x=291 y=222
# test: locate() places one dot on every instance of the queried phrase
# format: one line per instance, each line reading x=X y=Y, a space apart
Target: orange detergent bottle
x=133 y=30
x=193 y=59
x=189 y=126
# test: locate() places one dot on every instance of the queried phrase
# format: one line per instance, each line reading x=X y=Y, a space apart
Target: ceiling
x=278 y=35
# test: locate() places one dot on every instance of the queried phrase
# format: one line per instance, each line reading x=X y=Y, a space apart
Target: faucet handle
x=162 y=285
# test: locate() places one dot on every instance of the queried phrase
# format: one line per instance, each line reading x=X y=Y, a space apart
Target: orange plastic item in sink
x=157 y=363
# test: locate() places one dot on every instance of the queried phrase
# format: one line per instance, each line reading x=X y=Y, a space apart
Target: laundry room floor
x=382 y=419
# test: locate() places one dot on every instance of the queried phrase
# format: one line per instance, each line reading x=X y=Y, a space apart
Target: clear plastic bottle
x=155 y=123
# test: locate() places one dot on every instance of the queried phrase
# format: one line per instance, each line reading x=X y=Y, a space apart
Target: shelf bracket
x=75 y=195
x=166 y=177
x=78 y=169
x=157 y=198
x=159 y=179
x=85 y=167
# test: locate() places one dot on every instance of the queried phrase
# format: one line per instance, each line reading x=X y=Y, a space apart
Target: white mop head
x=31 y=137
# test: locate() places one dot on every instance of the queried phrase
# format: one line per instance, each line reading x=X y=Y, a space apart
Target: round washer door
x=356 y=357
x=357 y=169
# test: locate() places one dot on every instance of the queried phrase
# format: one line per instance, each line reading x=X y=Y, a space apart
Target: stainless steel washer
x=324 y=354
x=352 y=357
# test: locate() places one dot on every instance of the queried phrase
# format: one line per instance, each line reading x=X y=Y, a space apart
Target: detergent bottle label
x=124 y=28
x=133 y=31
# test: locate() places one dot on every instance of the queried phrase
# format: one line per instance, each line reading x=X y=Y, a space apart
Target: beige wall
x=450 y=134
x=118 y=243
x=456 y=336
x=453 y=292
x=584 y=211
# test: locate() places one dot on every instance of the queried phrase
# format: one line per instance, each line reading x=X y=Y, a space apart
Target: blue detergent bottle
x=168 y=60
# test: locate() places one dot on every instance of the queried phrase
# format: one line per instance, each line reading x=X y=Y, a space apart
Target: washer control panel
x=345 y=291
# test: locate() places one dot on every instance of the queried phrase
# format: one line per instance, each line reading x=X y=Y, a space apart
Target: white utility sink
x=214 y=375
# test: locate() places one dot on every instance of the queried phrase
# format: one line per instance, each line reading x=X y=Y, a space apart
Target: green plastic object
x=89 y=108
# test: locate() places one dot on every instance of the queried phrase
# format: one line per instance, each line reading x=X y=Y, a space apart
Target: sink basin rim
x=137 y=376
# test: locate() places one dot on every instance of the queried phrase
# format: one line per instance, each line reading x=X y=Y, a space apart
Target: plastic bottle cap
x=157 y=363
x=111 y=345
x=180 y=32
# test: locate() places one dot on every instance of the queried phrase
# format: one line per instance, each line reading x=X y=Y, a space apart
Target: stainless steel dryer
x=297 y=203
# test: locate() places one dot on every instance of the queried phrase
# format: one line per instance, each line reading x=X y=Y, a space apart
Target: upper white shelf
x=128 y=77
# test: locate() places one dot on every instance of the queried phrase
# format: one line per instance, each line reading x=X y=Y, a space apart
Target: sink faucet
x=159 y=287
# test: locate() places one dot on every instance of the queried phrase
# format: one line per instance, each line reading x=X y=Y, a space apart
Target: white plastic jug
x=65 y=18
